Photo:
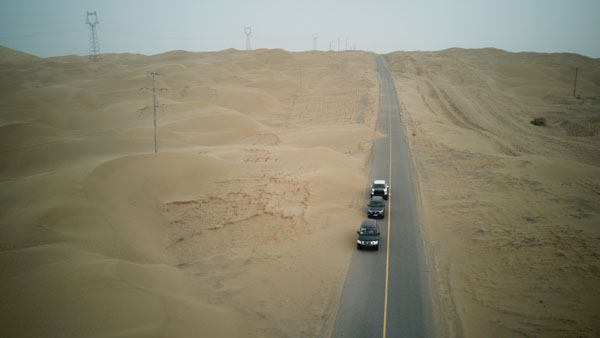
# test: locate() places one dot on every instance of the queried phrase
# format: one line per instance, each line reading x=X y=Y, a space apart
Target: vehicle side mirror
x=358 y=231
x=378 y=233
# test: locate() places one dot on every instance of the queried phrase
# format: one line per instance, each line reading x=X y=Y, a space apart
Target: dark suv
x=380 y=188
x=376 y=207
x=368 y=235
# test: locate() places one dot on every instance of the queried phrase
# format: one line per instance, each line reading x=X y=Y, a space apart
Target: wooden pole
x=154 y=105
x=575 y=85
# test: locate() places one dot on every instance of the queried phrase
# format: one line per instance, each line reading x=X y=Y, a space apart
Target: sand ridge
x=241 y=226
x=510 y=210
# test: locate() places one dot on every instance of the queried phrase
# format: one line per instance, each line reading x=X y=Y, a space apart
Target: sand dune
x=510 y=209
x=243 y=224
x=231 y=230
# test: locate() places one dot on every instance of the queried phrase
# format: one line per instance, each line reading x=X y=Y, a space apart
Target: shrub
x=538 y=121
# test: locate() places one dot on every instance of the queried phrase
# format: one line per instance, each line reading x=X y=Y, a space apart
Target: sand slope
x=511 y=210
x=241 y=226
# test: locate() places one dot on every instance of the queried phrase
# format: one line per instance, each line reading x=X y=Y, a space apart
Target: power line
x=170 y=37
x=165 y=27
x=39 y=24
x=33 y=35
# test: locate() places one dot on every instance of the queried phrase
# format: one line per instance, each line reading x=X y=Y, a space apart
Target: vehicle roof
x=377 y=199
x=379 y=182
x=369 y=223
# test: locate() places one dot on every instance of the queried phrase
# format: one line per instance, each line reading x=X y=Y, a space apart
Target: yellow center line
x=389 y=216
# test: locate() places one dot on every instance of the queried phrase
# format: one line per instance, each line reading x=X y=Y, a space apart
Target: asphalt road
x=385 y=293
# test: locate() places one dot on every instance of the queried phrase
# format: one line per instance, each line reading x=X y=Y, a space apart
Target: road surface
x=385 y=293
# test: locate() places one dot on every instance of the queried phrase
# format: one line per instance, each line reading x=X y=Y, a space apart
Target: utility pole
x=300 y=79
x=575 y=85
x=154 y=106
x=338 y=44
x=329 y=44
x=248 y=31
x=315 y=36
x=94 y=43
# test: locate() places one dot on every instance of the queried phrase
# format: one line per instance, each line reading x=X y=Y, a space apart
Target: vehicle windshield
x=376 y=204
x=379 y=186
x=371 y=232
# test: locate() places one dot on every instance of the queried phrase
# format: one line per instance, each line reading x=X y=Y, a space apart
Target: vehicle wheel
x=385 y=197
x=358 y=246
x=377 y=247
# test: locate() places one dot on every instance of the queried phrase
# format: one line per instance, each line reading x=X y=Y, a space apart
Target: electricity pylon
x=248 y=31
x=94 y=43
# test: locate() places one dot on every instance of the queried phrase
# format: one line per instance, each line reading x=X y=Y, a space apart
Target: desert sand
x=243 y=224
x=510 y=210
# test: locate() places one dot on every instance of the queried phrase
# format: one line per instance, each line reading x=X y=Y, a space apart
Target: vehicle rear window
x=376 y=204
x=364 y=231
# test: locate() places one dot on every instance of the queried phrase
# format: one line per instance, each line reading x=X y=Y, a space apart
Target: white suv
x=380 y=188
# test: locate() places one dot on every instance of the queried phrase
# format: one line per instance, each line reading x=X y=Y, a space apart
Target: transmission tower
x=94 y=43
x=248 y=31
x=315 y=37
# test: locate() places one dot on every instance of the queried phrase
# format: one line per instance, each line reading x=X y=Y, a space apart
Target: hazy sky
x=57 y=27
